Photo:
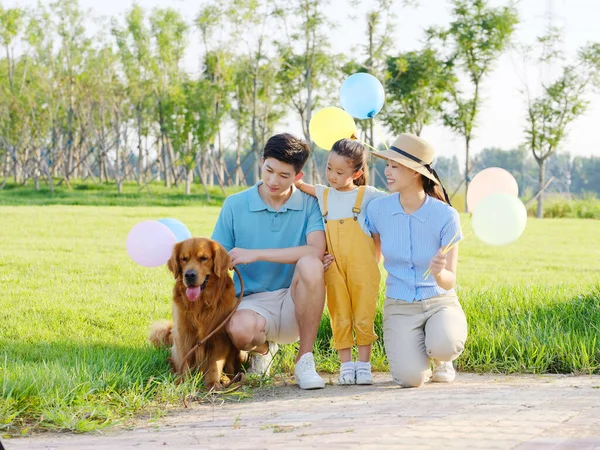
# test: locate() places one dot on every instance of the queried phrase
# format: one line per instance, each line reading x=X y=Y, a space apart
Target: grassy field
x=75 y=311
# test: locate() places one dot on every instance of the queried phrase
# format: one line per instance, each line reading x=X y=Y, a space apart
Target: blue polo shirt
x=410 y=241
x=246 y=221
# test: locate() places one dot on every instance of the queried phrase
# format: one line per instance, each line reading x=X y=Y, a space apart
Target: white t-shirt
x=340 y=203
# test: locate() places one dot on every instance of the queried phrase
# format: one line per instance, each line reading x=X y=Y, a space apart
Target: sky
x=502 y=118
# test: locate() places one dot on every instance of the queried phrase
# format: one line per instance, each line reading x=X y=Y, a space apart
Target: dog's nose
x=191 y=276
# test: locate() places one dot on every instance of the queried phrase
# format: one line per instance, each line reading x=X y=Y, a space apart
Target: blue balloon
x=180 y=231
x=362 y=95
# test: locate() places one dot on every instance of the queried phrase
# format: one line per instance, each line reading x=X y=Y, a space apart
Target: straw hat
x=413 y=152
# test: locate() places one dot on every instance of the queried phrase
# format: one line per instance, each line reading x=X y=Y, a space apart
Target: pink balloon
x=492 y=180
x=150 y=243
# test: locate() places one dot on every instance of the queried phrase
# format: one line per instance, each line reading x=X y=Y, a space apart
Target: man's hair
x=288 y=149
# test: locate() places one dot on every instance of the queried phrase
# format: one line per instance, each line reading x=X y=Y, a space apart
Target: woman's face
x=398 y=177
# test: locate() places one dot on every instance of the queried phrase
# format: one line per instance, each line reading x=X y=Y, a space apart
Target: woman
x=423 y=320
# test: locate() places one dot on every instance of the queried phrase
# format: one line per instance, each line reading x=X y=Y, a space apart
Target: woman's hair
x=357 y=154
x=432 y=189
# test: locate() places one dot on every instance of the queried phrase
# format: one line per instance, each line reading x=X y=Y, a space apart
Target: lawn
x=75 y=311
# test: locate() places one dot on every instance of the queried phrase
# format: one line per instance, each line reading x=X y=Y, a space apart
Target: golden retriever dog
x=203 y=297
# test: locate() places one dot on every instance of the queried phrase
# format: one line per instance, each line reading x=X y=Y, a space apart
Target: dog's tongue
x=192 y=293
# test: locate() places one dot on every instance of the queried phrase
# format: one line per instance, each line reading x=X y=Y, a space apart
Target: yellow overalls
x=352 y=280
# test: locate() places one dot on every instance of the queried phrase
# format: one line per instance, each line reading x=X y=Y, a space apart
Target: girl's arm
x=443 y=268
x=377 y=240
x=306 y=188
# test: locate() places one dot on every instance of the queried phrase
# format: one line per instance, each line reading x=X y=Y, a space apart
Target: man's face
x=278 y=176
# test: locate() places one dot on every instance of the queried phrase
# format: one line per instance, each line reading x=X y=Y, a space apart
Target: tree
x=134 y=44
x=307 y=66
x=477 y=36
x=14 y=126
x=255 y=76
x=417 y=86
x=169 y=31
x=560 y=103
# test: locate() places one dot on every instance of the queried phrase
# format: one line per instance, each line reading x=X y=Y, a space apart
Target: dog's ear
x=221 y=260
x=173 y=263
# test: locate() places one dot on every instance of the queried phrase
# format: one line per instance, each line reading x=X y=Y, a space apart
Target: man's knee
x=242 y=328
x=310 y=270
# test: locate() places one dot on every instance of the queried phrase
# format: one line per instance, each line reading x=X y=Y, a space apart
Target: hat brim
x=391 y=155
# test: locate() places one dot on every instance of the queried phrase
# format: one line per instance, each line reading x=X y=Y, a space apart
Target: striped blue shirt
x=410 y=241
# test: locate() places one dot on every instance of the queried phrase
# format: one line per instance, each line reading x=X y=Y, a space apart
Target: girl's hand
x=327 y=260
x=438 y=263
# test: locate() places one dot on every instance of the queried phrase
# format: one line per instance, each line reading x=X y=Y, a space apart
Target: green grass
x=75 y=313
x=94 y=194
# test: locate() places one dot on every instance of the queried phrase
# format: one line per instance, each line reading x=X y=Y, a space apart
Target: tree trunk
x=118 y=177
x=467 y=169
x=542 y=180
x=189 y=179
x=140 y=150
x=165 y=160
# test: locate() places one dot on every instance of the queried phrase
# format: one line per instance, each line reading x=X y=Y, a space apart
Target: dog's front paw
x=214 y=386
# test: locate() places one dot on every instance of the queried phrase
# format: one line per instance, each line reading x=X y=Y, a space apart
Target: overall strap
x=359 y=199
x=325 y=195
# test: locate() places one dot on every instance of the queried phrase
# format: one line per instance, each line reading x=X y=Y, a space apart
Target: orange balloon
x=492 y=180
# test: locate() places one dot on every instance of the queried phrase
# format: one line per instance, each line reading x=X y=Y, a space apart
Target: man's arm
x=315 y=245
x=223 y=232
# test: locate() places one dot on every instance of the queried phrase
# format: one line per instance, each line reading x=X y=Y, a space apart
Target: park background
x=161 y=109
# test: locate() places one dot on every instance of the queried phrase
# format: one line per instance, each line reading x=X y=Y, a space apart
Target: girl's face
x=340 y=172
x=398 y=177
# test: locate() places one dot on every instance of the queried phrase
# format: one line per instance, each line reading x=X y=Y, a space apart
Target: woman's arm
x=306 y=188
x=443 y=268
x=377 y=241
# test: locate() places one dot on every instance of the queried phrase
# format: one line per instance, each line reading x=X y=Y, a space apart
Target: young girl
x=352 y=279
x=423 y=319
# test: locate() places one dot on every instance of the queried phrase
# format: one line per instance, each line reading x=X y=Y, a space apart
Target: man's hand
x=327 y=260
x=242 y=256
x=438 y=263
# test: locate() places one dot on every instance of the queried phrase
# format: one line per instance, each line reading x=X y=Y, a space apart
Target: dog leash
x=184 y=363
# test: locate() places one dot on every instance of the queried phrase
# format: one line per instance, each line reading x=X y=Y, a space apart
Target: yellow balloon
x=329 y=125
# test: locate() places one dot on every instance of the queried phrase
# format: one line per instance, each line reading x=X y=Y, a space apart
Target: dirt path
x=477 y=411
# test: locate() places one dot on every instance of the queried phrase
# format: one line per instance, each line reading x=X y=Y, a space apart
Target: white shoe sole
x=443 y=378
x=365 y=382
x=312 y=385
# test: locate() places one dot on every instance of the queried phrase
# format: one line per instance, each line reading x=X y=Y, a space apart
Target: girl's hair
x=357 y=154
x=432 y=189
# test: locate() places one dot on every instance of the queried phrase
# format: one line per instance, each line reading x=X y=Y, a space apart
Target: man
x=274 y=234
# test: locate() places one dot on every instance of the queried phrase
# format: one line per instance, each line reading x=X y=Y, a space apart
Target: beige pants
x=415 y=332
x=278 y=309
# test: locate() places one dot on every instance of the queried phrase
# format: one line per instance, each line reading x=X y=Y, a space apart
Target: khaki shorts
x=277 y=307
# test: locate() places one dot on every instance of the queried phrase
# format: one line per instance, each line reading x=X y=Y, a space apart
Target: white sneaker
x=306 y=374
x=261 y=364
x=443 y=372
x=347 y=374
x=363 y=375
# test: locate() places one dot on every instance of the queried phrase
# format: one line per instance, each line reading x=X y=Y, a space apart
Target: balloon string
x=364 y=143
x=451 y=244
x=380 y=133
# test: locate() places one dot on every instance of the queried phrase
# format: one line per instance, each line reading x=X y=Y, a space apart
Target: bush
x=585 y=207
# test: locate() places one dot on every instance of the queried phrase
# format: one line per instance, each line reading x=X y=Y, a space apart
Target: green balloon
x=499 y=219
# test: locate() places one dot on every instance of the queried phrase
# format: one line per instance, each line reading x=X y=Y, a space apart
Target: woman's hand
x=438 y=263
x=327 y=260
